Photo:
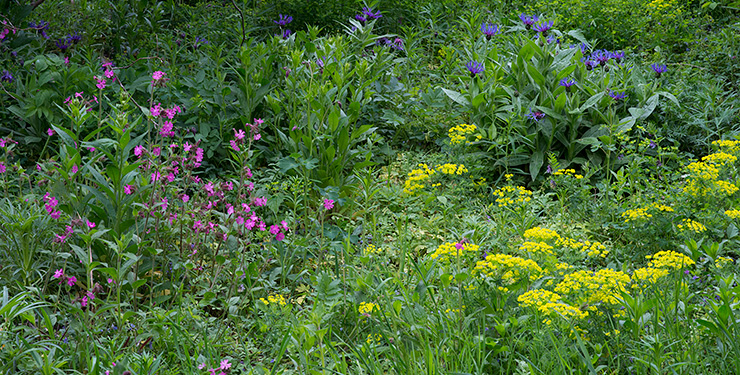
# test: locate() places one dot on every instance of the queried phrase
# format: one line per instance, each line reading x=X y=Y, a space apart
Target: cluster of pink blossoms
x=240 y=135
x=158 y=78
x=59 y=274
x=50 y=206
x=167 y=126
x=223 y=366
x=78 y=96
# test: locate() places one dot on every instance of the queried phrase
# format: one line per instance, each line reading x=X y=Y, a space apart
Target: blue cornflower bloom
x=200 y=41
x=370 y=14
x=6 y=77
x=286 y=33
x=567 y=83
x=617 y=56
x=360 y=18
x=474 y=68
x=601 y=56
x=659 y=69
x=489 y=30
x=617 y=96
x=284 y=20
x=535 y=115
x=397 y=44
x=590 y=64
x=543 y=27
x=528 y=21
x=74 y=38
x=62 y=45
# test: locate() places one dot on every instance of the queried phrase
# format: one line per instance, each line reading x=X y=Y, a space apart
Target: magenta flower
x=101 y=83
x=128 y=189
x=59 y=273
x=90 y=224
x=158 y=75
x=74 y=169
x=2 y=167
x=328 y=204
x=71 y=280
x=225 y=365
x=257 y=136
x=50 y=132
x=166 y=130
x=155 y=177
x=239 y=134
x=280 y=236
x=234 y=146
x=274 y=229
x=185 y=198
x=139 y=150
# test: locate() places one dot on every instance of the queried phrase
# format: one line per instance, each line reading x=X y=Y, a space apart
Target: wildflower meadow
x=379 y=187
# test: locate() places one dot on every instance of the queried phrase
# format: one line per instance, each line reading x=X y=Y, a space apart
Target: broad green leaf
x=456 y=97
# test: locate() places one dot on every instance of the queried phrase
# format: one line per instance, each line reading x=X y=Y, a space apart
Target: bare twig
x=241 y=14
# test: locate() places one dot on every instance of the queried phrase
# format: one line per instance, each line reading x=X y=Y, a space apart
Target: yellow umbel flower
x=275 y=299
x=367 y=307
x=669 y=260
x=691 y=225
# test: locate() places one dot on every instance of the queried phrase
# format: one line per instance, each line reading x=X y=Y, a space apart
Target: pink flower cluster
x=50 y=206
x=158 y=78
x=328 y=204
x=70 y=280
x=223 y=366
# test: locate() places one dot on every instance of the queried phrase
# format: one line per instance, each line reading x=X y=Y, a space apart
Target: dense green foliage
x=441 y=187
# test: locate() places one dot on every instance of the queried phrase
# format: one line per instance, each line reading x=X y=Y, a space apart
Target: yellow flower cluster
x=703 y=171
x=275 y=299
x=637 y=214
x=552 y=238
x=720 y=158
x=449 y=251
x=567 y=172
x=540 y=234
x=376 y=339
x=603 y=286
x=732 y=147
x=509 y=268
x=591 y=249
x=548 y=303
x=670 y=260
x=367 y=307
x=642 y=214
x=645 y=276
x=704 y=181
x=733 y=214
x=721 y=262
x=508 y=196
x=370 y=249
x=691 y=225
x=536 y=249
x=459 y=134
x=416 y=178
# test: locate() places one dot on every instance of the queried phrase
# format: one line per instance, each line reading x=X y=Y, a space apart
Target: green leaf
x=537 y=77
x=560 y=102
x=456 y=97
x=535 y=164
x=591 y=101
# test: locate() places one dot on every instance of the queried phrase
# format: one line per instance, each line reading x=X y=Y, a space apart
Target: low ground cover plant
x=212 y=188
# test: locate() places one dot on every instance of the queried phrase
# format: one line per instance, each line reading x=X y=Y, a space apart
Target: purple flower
x=601 y=56
x=567 y=83
x=489 y=30
x=543 y=27
x=590 y=64
x=369 y=14
x=397 y=44
x=535 y=115
x=528 y=21
x=659 y=69
x=284 y=20
x=474 y=68
x=328 y=204
x=74 y=38
x=617 y=56
x=617 y=96
x=62 y=45
x=6 y=77
x=286 y=33
x=199 y=42
x=652 y=144
x=360 y=18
